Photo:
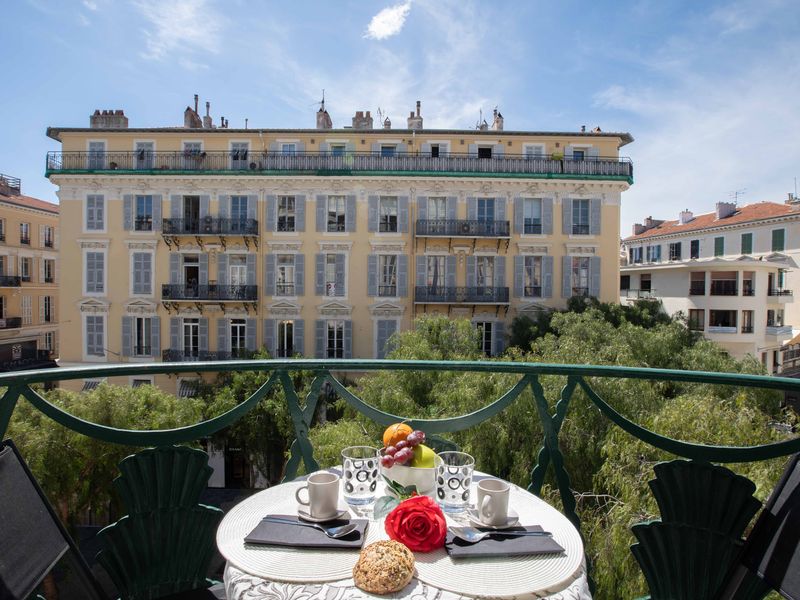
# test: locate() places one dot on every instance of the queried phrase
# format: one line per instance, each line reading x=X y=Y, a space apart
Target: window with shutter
x=387 y=275
x=143 y=213
x=239 y=152
x=285 y=275
x=778 y=240
x=284 y=348
x=485 y=332
x=532 y=216
x=286 y=213
x=719 y=246
x=580 y=276
x=747 y=243
x=580 y=216
x=532 y=277
x=388 y=214
x=95 y=212
x=336 y=213
x=95 y=279
x=334 y=347
x=94 y=335
x=142 y=336
x=142 y=273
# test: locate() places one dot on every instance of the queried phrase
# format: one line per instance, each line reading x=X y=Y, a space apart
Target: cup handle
x=299 y=499
x=486 y=512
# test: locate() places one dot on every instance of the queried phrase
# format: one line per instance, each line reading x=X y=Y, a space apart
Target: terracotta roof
x=29 y=202
x=745 y=214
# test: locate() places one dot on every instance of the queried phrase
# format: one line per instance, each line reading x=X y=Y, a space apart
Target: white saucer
x=304 y=515
x=474 y=518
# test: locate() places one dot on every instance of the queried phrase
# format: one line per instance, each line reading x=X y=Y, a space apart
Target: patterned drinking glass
x=453 y=480
x=360 y=467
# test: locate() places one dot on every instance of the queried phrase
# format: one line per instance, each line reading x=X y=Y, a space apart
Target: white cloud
x=90 y=5
x=84 y=20
x=388 y=22
x=179 y=27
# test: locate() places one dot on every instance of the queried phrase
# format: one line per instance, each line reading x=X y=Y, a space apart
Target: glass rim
x=350 y=448
x=469 y=463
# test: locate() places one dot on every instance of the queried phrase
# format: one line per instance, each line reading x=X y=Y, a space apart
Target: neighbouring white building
x=732 y=273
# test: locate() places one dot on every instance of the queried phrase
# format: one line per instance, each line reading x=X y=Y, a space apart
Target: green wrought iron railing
x=578 y=377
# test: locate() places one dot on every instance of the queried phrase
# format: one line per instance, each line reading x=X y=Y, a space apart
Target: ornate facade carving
x=285 y=246
x=333 y=246
x=335 y=309
x=94 y=306
x=386 y=309
x=93 y=243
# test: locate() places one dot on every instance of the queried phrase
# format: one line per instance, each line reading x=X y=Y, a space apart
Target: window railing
x=463 y=227
x=697 y=288
x=285 y=224
x=779 y=292
x=747 y=329
x=10 y=280
x=324 y=163
x=284 y=289
x=336 y=227
x=390 y=227
x=433 y=294
x=11 y=323
x=210 y=226
x=580 y=229
x=143 y=224
x=48 y=243
x=723 y=287
x=142 y=350
x=638 y=294
x=214 y=291
x=748 y=289
x=580 y=291
x=532 y=291
x=387 y=290
x=532 y=228
x=25 y=239
x=26 y=278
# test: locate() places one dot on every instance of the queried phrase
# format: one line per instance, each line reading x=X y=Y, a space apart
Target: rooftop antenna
x=734 y=195
x=322 y=104
x=480 y=118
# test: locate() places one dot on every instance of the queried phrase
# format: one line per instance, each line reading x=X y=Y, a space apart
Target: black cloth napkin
x=284 y=534
x=502 y=543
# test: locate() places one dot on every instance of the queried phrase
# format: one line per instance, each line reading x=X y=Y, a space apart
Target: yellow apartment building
x=205 y=242
x=28 y=279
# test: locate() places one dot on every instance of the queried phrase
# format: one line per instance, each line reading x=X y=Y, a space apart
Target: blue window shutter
x=594 y=276
x=299 y=274
x=547 y=277
x=175 y=333
x=127 y=335
x=270 y=332
x=402 y=275
x=372 y=213
x=224 y=204
x=452 y=207
x=202 y=331
x=252 y=206
x=250 y=334
x=269 y=274
x=175 y=206
x=500 y=209
x=340 y=278
x=384 y=329
x=319 y=338
x=155 y=336
x=566 y=277
x=547 y=216
x=137 y=273
x=251 y=269
x=205 y=206
x=519 y=276
x=222 y=269
x=519 y=216
x=472 y=150
x=425 y=149
x=157 y=212
x=472 y=208
x=175 y=268
x=566 y=216
x=402 y=214
x=372 y=275
x=450 y=271
x=319 y=275
x=350 y=213
x=594 y=212
x=348 y=339
x=500 y=271
x=498 y=338
x=299 y=339
x=300 y=213
x=147 y=274
x=322 y=218
x=497 y=150
x=271 y=222
x=223 y=326
x=471 y=268
x=422 y=208
x=203 y=269
x=421 y=274
x=127 y=206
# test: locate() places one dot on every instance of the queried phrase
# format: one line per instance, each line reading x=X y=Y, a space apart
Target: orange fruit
x=395 y=433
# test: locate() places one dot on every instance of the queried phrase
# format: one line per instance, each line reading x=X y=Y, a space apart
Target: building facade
x=204 y=242
x=29 y=273
x=732 y=273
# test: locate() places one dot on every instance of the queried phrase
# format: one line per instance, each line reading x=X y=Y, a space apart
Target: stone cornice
x=93 y=243
x=527 y=248
x=335 y=309
x=335 y=246
x=94 y=306
x=284 y=308
x=580 y=249
x=141 y=244
x=386 y=309
x=141 y=307
x=387 y=246
x=284 y=246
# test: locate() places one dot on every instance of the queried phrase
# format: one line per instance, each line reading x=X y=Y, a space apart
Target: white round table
x=254 y=571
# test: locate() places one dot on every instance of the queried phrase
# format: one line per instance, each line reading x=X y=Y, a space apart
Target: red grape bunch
x=403 y=451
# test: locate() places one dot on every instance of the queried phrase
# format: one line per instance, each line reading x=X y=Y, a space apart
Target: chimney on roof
x=725 y=209
x=108 y=119
x=387 y=124
x=196 y=98
x=497 y=122
x=792 y=199
x=649 y=223
x=362 y=121
x=685 y=216
x=638 y=228
x=192 y=120
x=207 y=122
x=597 y=130
x=415 y=121
x=323 y=118
x=583 y=128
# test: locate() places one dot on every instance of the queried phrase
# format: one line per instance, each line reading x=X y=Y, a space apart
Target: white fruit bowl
x=423 y=478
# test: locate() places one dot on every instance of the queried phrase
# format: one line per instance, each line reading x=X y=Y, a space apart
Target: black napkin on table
x=503 y=543
x=284 y=534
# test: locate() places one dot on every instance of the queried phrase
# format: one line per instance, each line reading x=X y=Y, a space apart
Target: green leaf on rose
x=384 y=505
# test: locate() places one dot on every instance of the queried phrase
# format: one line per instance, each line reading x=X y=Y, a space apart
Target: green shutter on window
x=719 y=246
x=747 y=243
x=778 y=240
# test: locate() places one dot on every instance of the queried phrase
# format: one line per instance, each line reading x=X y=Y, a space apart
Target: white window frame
x=281 y=323
x=326 y=281
x=26 y=308
x=386 y=258
x=528 y=151
x=152 y=254
x=396 y=213
x=337 y=198
x=479 y=325
x=91 y=357
x=148 y=332
x=289 y=280
x=26 y=226
x=86 y=214
x=25 y=260
x=49 y=340
x=289 y=214
x=104 y=252
x=327 y=337
x=135 y=164
x=531 y=201
x=240 y=327
x=444 y=147
x=533 y=258
x=230 y=154
x=152 y=229
x=239 y=269
x=89 y=143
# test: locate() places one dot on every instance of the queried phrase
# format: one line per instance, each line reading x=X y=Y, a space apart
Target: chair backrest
x=32 y=538
x=166 y=542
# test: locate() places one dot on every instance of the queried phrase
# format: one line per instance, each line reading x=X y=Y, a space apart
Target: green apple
x=423 y=457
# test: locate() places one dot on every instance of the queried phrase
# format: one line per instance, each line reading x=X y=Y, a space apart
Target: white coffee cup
x=493 y=501
x=323 y=494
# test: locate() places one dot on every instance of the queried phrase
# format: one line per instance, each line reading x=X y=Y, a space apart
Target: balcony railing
x=425 y=294
x=212 y=292
x=30 y=359
x=11 y=323
x=723 y=287
x=638 y=294
x=532 y=228
x=322 y=163
x=10 y=281
x=25 y=240
x=463 y=227
x=532 y=291
x=779 y=292
x=387 y=290
x=210 y=226
x=747 y=329
x=204 y=355
x=11 y=186
x=697 y=288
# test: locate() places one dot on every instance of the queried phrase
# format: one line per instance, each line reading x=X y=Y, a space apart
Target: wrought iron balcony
x=212 y=292
x=10 y=281
x=779 y=292
x=462 y=228
x=697 y=288
x=30 y=359
x=638 y=294
x=724 y=287
x=426 y=294
x=209 y=226
x=11 y=186
x=324 y=163
x=11 y=323
x=204 y=355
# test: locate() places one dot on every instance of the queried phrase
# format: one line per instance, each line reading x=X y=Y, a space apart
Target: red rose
x=418 y=523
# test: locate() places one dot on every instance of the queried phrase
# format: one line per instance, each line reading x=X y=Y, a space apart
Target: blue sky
x=709 y=90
